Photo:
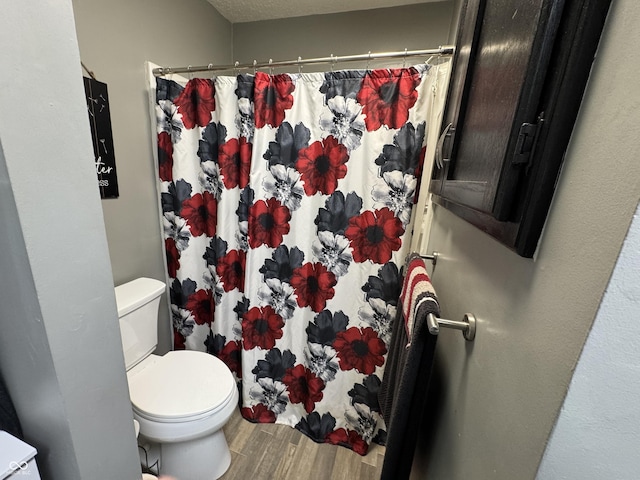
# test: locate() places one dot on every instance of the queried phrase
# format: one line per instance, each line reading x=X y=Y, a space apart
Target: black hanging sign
x=100 y=121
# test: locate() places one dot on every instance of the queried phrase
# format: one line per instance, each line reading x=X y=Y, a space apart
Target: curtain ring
x=255 y=63
x=299 y=64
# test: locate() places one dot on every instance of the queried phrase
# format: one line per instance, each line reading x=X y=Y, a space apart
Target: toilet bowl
x=182 y=399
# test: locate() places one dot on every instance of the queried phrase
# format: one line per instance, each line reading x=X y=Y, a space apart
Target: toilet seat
x=180 y=386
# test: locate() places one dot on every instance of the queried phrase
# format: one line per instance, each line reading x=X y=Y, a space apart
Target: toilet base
x=205 y=458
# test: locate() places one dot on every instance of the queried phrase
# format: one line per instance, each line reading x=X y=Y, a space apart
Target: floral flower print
x=275 y=364
x=344 y=121
x=364 y=422
x=242 y=236
x=378 y=315
x=216 y=249
x=387 y=97
x=212 y=136
x=183 y=324
x=173 y=257
x=360 y=349
x=321 y=360
x=268 y=223
x=261 y=327
x=244 y=119
x=343 y=83
x=367 y=392
x=338 y=211
x=279 y=295
x=303 y=386
x=246 y=200
x=313 y=285
x=325 y=327
x=405 y=152
x=286 y=146
x=258 y=414
x=375 y=235
x=209 y=179
x=196 y=102
x=200 y=305
x=321 y=165
x=396 y=193
x=165 y=157
x=386 y=285
x=350 y=439
x=231 y=270
x=201 y=214
x=333 y=252
x=317 y=428
x=228 y=352
x=235 y=162
x=272 y=96
x=168 y=120
x=271 y=394
x=176 y=228
x=284 y=185
x=179 y=291
x=212 y=280
x=230 y=355
x=282 y=263
x=177 y=193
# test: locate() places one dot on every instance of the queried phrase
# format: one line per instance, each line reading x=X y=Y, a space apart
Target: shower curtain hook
x=190 y=72
x=404 y=60
x=270 y=67
x=235 y=68
x=332 y=62
x=299 y=64
x=369 y=60
x=255 y=62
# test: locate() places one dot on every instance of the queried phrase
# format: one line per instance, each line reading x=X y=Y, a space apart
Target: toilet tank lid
x=134 y=294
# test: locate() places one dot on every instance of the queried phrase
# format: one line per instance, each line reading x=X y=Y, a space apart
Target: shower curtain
x=286 y=203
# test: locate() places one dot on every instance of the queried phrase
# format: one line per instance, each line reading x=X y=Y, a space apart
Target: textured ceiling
x=237 y=11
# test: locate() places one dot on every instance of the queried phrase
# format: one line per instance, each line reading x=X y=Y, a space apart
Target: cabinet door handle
x=439 y=157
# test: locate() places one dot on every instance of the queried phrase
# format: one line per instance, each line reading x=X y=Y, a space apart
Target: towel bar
x=467 y=325
x=433 y=257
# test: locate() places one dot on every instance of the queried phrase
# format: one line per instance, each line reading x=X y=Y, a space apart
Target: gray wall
x=418 y=26
x=499 y=397
x=597 y=434
x=60 y=347
x=116 y=38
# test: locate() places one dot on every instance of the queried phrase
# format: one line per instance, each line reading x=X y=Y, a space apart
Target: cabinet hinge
x=524 y=145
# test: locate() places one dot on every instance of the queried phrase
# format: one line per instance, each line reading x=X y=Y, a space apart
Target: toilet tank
x=138 y=303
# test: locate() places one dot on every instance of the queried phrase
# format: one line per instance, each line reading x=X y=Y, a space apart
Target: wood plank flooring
x=264 y=451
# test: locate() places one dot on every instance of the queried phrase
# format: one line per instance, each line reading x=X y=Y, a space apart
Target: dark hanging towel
x=403 y=393
x=8 y=417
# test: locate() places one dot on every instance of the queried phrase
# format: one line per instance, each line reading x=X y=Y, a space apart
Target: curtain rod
x=443 y=50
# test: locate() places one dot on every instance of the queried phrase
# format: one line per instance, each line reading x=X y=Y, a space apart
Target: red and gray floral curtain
x=287 y=202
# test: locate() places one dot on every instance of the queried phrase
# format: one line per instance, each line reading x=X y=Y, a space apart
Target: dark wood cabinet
x=518 y=76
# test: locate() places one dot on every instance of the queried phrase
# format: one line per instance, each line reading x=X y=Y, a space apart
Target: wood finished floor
x=263 y=451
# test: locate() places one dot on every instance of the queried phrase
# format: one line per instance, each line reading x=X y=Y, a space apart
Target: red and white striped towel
x=416 y=289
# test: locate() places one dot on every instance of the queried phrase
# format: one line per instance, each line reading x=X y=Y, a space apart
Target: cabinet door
x=516 y=61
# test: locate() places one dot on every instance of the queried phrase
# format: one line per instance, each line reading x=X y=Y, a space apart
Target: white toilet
x=181 y=399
